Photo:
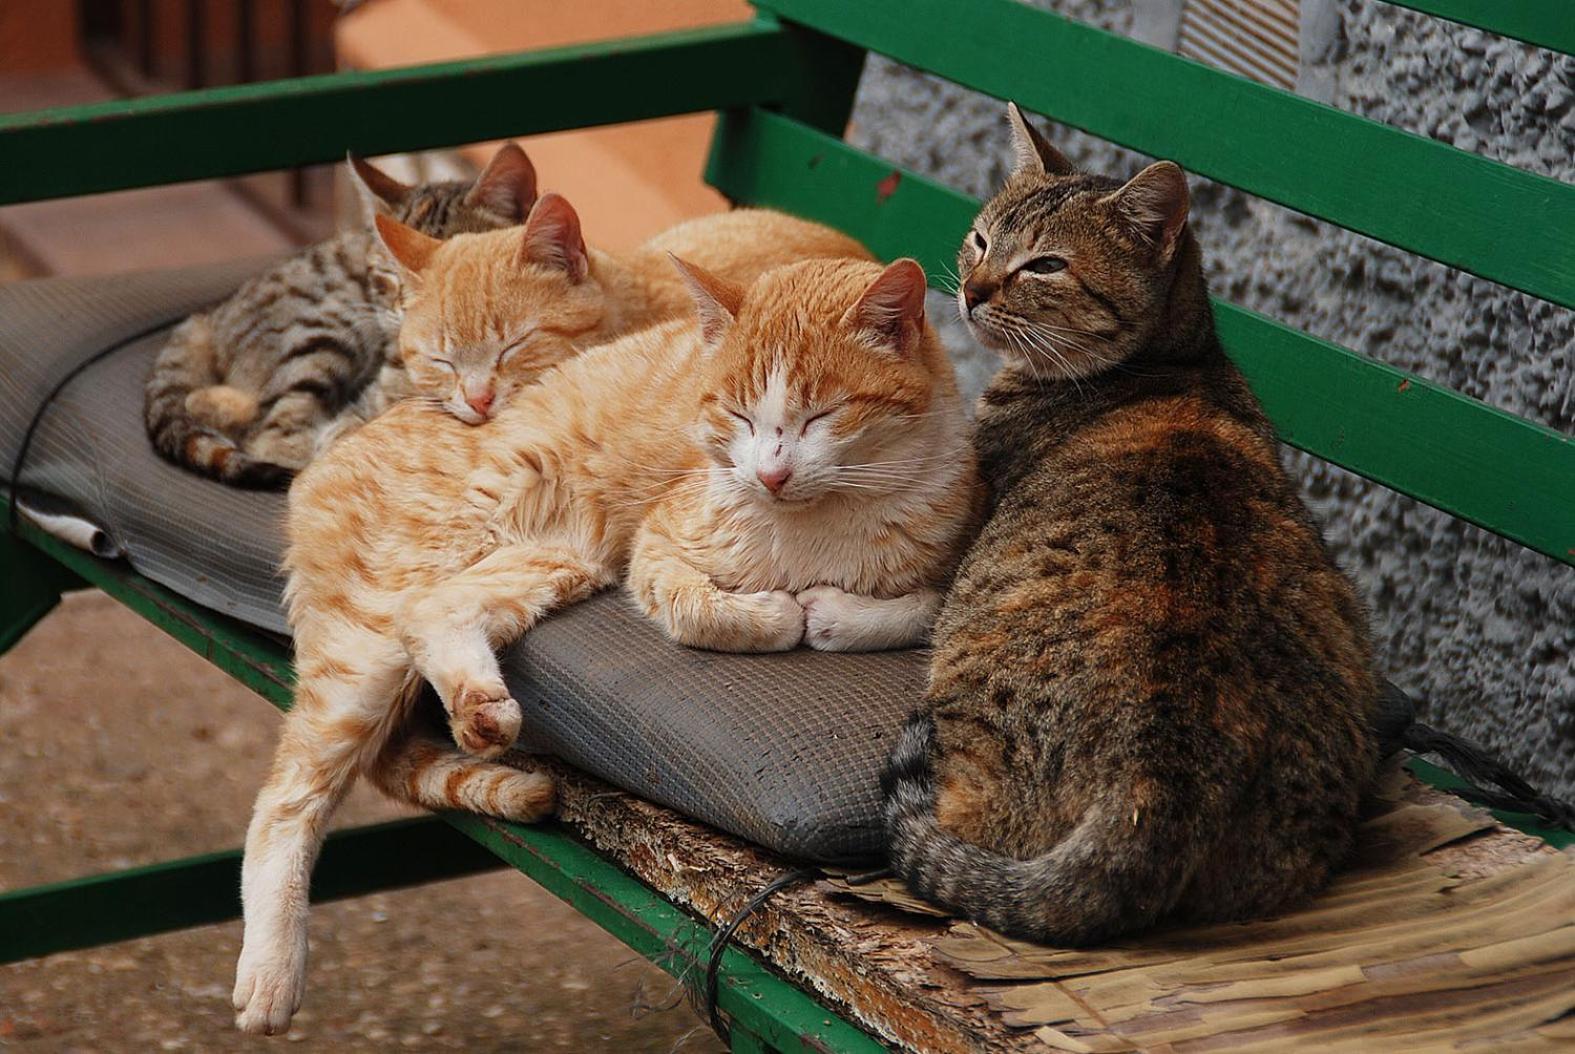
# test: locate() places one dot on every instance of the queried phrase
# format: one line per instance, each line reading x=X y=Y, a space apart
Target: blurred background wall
x=1481 y=629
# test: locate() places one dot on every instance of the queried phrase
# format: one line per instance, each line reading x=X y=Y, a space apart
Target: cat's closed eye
x=509 y=352
x=746 y=420
x=818 y=416
x=1044 y=265
x=447 y=365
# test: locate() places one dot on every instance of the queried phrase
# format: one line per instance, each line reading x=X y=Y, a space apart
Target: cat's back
x=331 y=270
x=1164 y=527
x=330 y=293
x=412 y=457
x=742 y=243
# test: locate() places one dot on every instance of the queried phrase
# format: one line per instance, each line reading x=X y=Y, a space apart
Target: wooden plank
x=1463 y=210
x=1510 y=476
x=199 y=890
x=284 y=123
x=1545 y=23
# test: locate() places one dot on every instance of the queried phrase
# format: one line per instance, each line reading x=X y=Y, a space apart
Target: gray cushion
x=781 y=749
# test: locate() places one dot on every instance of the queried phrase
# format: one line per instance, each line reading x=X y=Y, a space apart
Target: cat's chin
x=794 y=503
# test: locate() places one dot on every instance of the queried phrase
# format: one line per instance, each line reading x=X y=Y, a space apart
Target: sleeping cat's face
x=1067 y=274
x=484 y=315
x=820 y=379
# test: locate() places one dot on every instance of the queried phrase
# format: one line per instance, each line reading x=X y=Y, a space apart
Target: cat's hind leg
x=344 y=709
x=451 y=629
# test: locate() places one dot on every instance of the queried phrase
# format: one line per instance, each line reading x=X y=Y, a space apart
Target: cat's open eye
x=747 y=421
x=979 y=244
x=1044 y=265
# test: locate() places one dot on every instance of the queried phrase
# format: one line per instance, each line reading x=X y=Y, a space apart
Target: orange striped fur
x=792 y=465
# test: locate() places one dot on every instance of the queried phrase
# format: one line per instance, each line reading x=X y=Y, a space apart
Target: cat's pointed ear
x=552 y=238
x=1032 y=152
x=507 y=186
x=1154 y=204
x=381 y=191
x=890 y=313
x=412 y=249
x=716 y=300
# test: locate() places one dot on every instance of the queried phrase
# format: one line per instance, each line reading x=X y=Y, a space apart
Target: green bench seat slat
x=277 y=124
x=1511 y=476
x=1545 y=23
x=1465 y=211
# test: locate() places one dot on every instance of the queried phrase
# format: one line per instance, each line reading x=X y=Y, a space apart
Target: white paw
x=268 y=992
x=778 y=621
x=833 y=619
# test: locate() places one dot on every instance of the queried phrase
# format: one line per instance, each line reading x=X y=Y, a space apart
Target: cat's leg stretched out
x=342 y=715
x=684 y=601
x=452 y=628
x=835 y=620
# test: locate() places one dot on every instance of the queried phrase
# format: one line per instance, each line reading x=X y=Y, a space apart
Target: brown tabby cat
x=547 y=295
x=791 y=466
x=1151 y=687
x=243 y=393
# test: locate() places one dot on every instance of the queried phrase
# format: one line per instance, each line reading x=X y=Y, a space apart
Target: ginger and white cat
x=793 y=465
x=547 y=295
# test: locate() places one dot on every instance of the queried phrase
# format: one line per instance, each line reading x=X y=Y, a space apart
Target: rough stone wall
x=1480 y=628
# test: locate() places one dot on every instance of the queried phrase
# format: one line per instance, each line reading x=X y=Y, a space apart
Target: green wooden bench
x=784 y=84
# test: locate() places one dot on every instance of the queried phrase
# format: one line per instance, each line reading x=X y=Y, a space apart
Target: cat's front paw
x=486 y=719
x=833 y=619
x=775 y=622
x=268 y=990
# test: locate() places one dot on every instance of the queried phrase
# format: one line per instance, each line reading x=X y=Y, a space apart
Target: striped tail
x=1067 y=896
x=426 y=771
x=184 y=380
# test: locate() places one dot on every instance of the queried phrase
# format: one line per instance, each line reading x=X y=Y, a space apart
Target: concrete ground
x=118 y=747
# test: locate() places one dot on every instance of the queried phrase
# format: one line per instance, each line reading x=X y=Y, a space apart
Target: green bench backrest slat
x=275 y=124
x=1420 y=195
x=1546 y=23
x=1513 y=477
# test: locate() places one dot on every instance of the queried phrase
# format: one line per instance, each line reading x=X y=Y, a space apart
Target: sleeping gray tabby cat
x=247 y=392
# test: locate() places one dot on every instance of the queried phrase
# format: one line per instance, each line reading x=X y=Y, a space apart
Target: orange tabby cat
x=483 y=316
x=791 y=466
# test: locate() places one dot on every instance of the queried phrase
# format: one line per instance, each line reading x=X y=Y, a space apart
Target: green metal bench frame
x=784 y=83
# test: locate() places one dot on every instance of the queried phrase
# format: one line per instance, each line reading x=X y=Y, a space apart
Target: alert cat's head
x=823 y=378
x=484 y=315
x=500 y=196
x=1067 y=275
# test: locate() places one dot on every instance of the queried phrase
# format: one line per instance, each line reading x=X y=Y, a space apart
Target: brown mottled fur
x=246 y=393
x=790 y=466
x=1151 y=686
x=485 y=316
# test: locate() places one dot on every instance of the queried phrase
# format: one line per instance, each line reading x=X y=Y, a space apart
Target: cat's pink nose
x=774 y=478
x=481 y=402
